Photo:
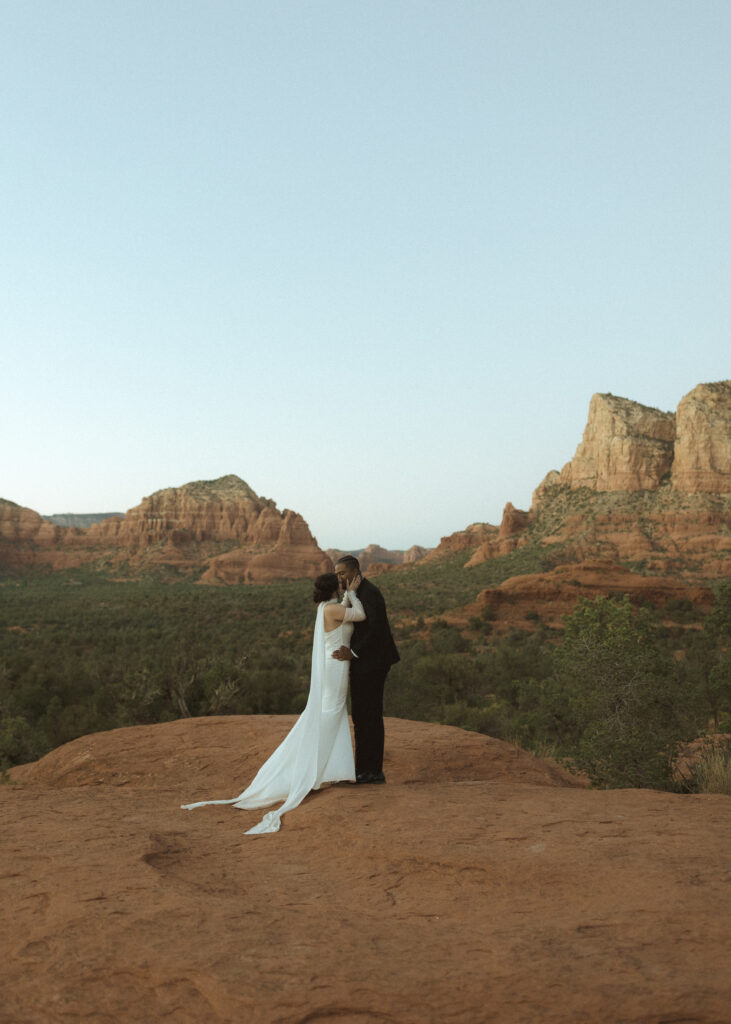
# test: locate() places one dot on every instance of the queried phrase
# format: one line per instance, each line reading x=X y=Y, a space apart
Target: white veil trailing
x=294 y=768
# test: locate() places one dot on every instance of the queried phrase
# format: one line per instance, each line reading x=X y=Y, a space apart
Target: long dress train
x=317 y=749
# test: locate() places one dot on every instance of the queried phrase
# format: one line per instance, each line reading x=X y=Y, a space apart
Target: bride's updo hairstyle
x=326 y=586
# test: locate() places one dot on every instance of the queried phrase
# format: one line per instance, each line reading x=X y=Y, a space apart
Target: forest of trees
x=615 y=693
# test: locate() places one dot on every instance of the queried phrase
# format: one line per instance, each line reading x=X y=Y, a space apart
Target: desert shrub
x=707 y=663
x=491 y=719
x=680 y=609
x=616 y=689
x=712 y=772
x=18 y=742
x=421 y=687
x=446 y=639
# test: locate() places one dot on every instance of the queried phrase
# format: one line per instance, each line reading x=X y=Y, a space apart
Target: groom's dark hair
x=350 y=560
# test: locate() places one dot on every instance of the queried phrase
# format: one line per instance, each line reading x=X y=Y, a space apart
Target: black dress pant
x=366 y=706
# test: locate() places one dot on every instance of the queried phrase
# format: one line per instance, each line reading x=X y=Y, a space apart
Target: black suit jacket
x=372 y=642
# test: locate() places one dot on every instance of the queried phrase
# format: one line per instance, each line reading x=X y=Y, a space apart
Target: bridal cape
x=318 y=748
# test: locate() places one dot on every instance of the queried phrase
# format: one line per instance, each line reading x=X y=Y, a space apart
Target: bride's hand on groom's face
x=355 y=582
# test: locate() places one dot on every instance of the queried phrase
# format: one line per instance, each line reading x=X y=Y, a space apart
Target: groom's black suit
x=375 y=652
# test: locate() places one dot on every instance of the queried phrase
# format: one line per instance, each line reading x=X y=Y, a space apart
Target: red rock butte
x=648 y=493
x=480 y=884
x=217 y=529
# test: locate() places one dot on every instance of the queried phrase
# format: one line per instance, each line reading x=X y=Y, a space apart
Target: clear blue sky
x=372 y=257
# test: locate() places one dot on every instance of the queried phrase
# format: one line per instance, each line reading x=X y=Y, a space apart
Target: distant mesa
x=376 y=556
x=81 y=520
x=218 y=530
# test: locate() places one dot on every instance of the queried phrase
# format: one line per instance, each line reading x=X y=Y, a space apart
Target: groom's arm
x=370 y=632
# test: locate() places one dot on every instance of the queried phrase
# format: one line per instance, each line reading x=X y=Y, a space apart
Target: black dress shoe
x=372 y=778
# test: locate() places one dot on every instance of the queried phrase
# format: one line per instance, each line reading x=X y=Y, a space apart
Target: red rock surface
x=474 y=887
x=508 y=537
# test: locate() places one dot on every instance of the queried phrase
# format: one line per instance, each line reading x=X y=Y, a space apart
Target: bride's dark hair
x=326 y=586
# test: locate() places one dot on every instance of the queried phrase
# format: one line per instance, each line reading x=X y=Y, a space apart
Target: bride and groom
x=352 y=643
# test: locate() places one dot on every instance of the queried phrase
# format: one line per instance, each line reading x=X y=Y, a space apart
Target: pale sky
x=373 y=257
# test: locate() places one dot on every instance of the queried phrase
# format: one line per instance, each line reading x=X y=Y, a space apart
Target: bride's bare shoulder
x=332 y=613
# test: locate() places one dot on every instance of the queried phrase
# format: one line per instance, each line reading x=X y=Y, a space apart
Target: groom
x=371 y=654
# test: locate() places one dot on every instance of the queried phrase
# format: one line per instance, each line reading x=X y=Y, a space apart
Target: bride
x=317 y=749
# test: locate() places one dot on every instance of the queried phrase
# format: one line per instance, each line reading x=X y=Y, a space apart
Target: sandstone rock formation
x=551 y=595
x=626 y=447
x=219 y=526
x=220 y=510
x=551 y=480
x=26 y=539
x=644 y=487
x=415 y=554
x=513 y=523
x=473 y=536
x=476 y=886
x=630 y=447
x=703 y=442
x=294 y=554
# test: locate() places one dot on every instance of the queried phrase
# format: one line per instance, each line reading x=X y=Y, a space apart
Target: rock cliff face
x=703 y=440
x=289 y=552
x=26 y=539
x=473 y=536
x=645 y=487
x=219 y=526
x=630 y=447
x=506 y=539
x=626 y=447
x=216 y=510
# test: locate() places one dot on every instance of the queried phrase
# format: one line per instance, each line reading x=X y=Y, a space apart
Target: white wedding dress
x=317 y=749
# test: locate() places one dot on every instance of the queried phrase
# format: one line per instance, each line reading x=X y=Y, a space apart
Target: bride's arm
x=340 y=613
x=356 y=612
x=350 y=610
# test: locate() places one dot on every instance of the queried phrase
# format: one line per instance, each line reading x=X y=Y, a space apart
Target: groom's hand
x=343 y=654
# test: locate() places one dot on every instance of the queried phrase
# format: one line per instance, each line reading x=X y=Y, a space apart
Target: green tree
x=707 y=665
x=626 y=705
